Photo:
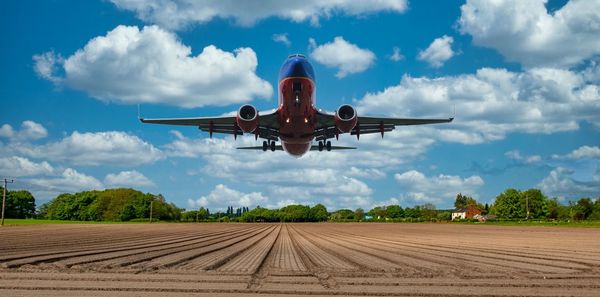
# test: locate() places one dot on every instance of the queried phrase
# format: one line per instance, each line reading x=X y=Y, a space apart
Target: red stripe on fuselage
x=296 y=114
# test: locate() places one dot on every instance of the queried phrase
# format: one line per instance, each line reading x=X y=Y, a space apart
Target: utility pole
x=4 y=198
x=151 y=202
x=527 y=205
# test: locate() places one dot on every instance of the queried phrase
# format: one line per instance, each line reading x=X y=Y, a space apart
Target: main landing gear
x=326 y=145
x=268 y=146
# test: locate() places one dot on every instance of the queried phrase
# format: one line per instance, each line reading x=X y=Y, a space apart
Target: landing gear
x=326 y=145
x=268 y=146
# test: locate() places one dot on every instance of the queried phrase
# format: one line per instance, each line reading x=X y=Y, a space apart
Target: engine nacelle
x=247 y=118
x=345 y=118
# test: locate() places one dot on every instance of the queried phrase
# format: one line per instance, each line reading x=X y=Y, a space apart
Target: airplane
x=296 y=121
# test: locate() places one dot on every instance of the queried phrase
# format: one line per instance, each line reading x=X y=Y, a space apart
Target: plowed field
x=298 y=260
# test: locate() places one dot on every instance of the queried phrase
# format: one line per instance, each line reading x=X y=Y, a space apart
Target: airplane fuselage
x=296 y=105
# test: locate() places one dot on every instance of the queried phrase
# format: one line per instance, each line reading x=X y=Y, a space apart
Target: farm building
x=465 y=213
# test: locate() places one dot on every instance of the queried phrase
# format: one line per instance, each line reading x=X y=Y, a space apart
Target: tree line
x=128 y=204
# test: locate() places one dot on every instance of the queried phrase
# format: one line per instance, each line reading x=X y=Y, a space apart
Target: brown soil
x=298 y=260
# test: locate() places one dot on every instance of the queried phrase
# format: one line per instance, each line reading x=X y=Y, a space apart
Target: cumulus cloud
x=177 y=14
x=516 y=156
x=151 y=65
x=30 y=130
x=18 y=166
x=346 y=57
x=92 y=148
x=282 y=38
x=69 y=181
x=438 y=52
x=439 y=190
x=491 y=103
x=331 y=178
x=396 y=55
x=128 y=179
x=525 y=32
x=583 y=152
x=221 y=197
x=560 y=183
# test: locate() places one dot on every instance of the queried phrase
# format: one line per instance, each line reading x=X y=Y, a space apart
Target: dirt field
x=298 y=259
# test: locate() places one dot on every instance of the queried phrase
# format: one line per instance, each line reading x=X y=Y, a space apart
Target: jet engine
x=345 y=118
x=247 y=118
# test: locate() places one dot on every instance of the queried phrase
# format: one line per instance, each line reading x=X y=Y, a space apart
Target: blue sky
x=523 y=77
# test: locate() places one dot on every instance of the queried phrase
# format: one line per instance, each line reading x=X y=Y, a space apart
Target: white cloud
x=153 y=66
x=45 y=65
x=89 y=148
x=331 y=178
x=345 y=56
x=177 y=14
x=583 y=152
x=128 y=179
x=30 y=130
x=7 y=131
x=439 y=190
x=221 y=197
x=516 y=155
x=491 y=103
x=525 y=32
x=559 y=183
x=69 y=181
x=396 y=55
x=282 y=38
x=18 y=166
x=438 y=52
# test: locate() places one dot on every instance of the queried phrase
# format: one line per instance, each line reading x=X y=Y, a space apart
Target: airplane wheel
x=265 y=146
x=272 y=146
x=320 y=146
x=328 y=146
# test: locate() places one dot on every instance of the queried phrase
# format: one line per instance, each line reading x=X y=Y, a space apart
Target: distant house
x=465 y=213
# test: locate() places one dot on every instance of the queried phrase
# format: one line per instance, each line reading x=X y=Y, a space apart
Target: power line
x=4 y=198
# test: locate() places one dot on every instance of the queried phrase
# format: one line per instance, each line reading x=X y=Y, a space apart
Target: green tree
x=444 y=216
x=534 y=201
x=378 y=212
x=342 y=215
x=295 y=213
x=461 y=201
x=413 y=213
x=359 y=214
x=553 y=209
x=395 y=211
x=595 y=215
x=318 y=213
x=508 y=205
x=582 y=209
x=428 y=211
x=19 y=204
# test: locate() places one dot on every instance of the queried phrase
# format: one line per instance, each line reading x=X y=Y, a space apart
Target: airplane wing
x=268 y=125
x=326 y=128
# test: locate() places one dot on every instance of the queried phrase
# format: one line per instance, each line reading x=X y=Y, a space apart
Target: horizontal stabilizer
x=280 y=148
x=260 y=148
